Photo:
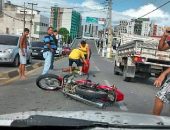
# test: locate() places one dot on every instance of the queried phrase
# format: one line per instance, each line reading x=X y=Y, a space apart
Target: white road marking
x=97 y=68
x=121 y=105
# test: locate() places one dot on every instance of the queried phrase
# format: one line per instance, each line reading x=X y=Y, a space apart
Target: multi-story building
x=12 y=21
x=116 y=29
x=160 y=31
x=130 y=27
x=145 y=28
x=90 y=30
x=139 y=26
x=142 y=26
x=122 y=27
x=156 y=30
x=67 y=18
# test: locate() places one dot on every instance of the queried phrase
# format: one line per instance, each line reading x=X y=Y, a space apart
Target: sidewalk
x=8 y=75
x=104 y=56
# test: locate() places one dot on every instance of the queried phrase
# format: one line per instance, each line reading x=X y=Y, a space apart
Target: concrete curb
x=14 y=73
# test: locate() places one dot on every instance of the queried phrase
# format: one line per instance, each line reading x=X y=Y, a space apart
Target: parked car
x=66 y=50
x=37 y=49
x=9 y=50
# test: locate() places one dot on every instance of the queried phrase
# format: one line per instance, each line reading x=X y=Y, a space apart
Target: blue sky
x=121 y=5
x=122 y=9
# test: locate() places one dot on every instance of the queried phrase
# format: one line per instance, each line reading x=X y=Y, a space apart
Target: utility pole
x=31 y=23
x=24 y=11
x=110 y=35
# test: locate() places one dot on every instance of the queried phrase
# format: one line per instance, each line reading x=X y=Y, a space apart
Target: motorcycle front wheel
x=48 y=82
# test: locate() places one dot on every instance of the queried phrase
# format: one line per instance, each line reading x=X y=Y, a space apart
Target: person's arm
x=49 y=46
x=82 y=57
x=88 y=52
x=163 y=45
x=160 y=79
x=21 y=45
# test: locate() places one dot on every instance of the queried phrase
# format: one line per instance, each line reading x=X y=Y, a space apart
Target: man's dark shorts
x=78 y=62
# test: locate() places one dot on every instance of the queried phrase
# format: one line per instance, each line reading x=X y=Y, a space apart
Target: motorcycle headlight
x=8 y=51
x=41 y=50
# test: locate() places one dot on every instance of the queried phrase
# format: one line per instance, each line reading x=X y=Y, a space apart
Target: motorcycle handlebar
x=74 y=76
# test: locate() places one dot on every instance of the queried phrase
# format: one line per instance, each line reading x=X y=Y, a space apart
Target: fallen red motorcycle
x=83 y=90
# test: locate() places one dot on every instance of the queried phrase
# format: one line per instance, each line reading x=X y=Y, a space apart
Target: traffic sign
x=92 y=20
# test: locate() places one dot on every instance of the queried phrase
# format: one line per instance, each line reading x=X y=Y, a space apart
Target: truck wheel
x=115 y=72
x=125 y=78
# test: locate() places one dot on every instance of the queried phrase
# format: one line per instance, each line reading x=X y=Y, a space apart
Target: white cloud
x=158 y=16
x=145 y=9
x=91 y=4
x=94 y=8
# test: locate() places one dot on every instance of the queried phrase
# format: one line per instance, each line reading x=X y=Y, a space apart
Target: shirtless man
x=23 y=53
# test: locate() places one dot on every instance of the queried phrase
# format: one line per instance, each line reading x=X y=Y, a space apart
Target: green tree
x=65 y=33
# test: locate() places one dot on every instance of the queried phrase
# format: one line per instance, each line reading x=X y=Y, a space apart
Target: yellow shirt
x=84 y=49
x=76 y=54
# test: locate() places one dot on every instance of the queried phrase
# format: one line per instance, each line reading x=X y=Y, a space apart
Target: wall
x=15 y=26
x=66 y=19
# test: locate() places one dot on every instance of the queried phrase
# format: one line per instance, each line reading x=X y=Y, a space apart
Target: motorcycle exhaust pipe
x=76 y=97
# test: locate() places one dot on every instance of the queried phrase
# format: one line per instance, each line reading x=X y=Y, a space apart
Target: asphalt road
x=19 y=96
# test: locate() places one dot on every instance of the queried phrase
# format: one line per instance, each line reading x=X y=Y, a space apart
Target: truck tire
x=128 y=79
x=125 y=78
x=115 y=67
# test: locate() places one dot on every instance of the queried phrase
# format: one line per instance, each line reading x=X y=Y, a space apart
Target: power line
x=102 y=10
x=11 y=16
x=101 y=4
x=154 y=10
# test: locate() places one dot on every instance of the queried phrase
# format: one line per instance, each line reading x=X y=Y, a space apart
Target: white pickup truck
x=139 y=56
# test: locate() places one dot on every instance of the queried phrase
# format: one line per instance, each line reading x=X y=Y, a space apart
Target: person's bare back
x=23 y=42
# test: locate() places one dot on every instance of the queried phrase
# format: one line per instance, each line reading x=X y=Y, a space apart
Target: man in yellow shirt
x=76 y=56
x=84 y=47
